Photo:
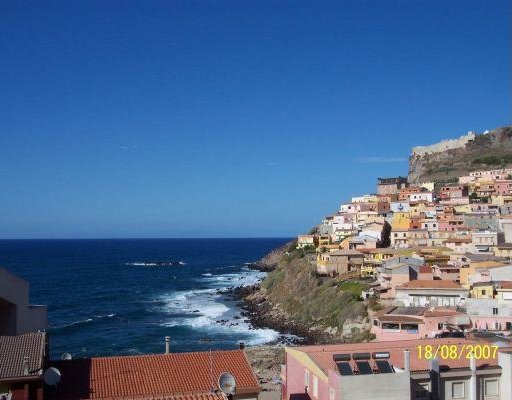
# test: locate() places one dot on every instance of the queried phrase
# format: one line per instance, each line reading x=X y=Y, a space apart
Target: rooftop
x=428 y=284
x=14 y=349
x=177 y=376
x=322 y=356
x=347 y=252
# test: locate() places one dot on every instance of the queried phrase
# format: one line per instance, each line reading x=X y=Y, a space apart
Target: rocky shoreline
x=262 y=311
x=262 y=314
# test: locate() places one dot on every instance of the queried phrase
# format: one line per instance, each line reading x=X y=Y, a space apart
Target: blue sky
x=230 y=118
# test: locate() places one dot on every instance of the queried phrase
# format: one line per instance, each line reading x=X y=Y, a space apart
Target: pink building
x=406 y=323
x=453 y=192
x=503 y=187
x=450 y=222
x=395 y=370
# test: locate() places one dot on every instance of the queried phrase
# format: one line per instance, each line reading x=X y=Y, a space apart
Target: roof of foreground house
x=14 y=349
x=430 y=284
x=322 y=356
x=177 y=376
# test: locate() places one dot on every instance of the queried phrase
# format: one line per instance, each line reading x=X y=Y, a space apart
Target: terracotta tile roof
x=428 y=284
x=505 y=285
x=442 y=312
x=399 y=318
x=487 y=264
x=177 y=376
x=13 y=350
x=348 y=252
x=322 y=355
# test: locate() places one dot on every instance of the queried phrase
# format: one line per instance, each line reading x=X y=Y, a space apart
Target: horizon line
x=157 y=238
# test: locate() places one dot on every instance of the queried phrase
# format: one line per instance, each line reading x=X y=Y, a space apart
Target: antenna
x=51 y=376
x=227 y=383
x=66 y=356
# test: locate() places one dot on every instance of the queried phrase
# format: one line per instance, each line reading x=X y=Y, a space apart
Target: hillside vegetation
x=321 y=303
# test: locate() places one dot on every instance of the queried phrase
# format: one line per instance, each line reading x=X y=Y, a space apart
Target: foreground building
x=177 y=376
x=393 y=371
x=22 y=361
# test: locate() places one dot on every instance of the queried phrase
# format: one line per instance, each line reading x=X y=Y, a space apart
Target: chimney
x=167 y=344
x=472 y=380
x=25 y=366
x=407 y=360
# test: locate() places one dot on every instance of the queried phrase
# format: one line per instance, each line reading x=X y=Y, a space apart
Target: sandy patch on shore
x=266 y=363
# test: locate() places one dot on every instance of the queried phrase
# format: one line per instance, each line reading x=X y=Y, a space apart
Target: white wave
x=105 y=316
x=209 y=311
x=80 y=322
x=206 y=310
x=232 y=280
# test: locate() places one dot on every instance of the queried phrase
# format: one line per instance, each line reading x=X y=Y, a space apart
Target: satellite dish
x=227 y=383
x=66 y=356
x=51 y=376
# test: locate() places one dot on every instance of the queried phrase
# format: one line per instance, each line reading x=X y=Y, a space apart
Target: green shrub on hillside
x=494 y=160
x=354 y=288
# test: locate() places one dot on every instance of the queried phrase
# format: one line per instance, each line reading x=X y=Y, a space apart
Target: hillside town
x=437 y=258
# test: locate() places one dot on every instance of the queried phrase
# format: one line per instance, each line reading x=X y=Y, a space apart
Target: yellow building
x=503 y=250
x=501 y=199
x=369 y=268
x=482 y=290
x=401 y=221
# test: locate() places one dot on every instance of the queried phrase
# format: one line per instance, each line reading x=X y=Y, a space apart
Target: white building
x=435 y=293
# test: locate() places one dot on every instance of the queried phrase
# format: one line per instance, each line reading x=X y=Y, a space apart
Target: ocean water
x=102 y=300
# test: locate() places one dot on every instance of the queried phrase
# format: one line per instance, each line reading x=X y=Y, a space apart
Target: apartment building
x=393 y=371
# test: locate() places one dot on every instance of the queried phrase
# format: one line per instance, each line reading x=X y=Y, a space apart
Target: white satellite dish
x=51 y=376
x=66 y=356
x=227 y=383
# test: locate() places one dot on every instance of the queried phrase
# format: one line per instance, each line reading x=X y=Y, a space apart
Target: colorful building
x=396 y=370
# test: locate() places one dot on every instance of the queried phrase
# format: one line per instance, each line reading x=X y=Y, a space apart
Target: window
x=315 y=386
x=439 y=327
x=375 y=322
x=410 y=327
x=494 y=311
x=306 y=378
x=483 y=292
x=388 y=325
x=491 y=387
x=457 y=390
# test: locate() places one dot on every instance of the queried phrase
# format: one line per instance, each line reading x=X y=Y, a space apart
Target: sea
x=105 y=298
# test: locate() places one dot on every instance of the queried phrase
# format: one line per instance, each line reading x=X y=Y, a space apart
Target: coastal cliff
x=444 y=162
x=293 y=299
